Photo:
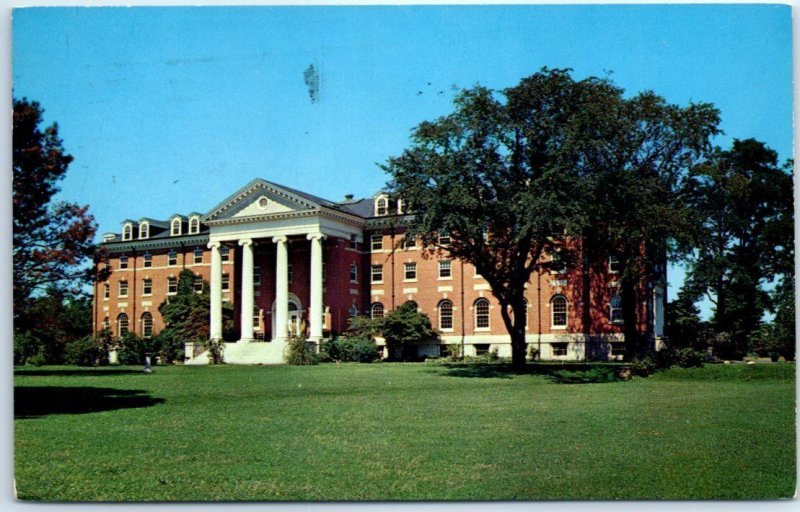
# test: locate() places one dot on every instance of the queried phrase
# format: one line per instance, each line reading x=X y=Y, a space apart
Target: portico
x=273 y=219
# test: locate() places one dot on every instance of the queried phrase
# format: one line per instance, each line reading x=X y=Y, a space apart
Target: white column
x=215 y=327
x=247 y=290
x=281 y=288
x=315 y=306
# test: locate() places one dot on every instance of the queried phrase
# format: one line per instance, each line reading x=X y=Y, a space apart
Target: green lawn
x=400 y=431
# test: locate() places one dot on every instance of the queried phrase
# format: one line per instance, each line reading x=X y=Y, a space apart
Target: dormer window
x=144 y=230
x=381 y=206
x=127 y=231
x=194 y=226
x=175 y=227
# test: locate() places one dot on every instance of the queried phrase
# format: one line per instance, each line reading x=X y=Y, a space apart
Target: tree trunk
x=516 y=329
x=633 y=348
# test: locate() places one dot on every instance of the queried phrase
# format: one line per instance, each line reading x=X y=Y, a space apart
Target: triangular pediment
x=259 y=198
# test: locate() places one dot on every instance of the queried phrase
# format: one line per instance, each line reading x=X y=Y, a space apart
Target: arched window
x=411 y=304
x=175 y=229
x=127 y=231
x=194 y=226
x=147 y=324
x=558 y=312
x=482 y=314
x=122 y=324
x=376 y=310
x=144 y=230
x=445 y=315
x=381 y=207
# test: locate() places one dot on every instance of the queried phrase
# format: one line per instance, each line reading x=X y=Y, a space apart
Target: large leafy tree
x=637 y=188
x=186 y=313
x=747 y=240
x=511 y=176
x=52 y=241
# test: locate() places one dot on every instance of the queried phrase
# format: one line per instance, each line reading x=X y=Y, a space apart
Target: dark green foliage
x=299 y=351
x=48 y=323
x=552 y=156
x=87 y=351
x=744 y=201
x=170 y=346
x=405 y=329
x=52 y=242
x=593 y=375
x=186 y=317
x=133 y=349
x=347 y=348
x=644 y=366
x=687 y=357
x=683 y=324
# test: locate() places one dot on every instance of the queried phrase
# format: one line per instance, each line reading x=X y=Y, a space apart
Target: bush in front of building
x=133 y=349
x=349 y=349
x=405 y=329
x=86 y=351
x=299 y=351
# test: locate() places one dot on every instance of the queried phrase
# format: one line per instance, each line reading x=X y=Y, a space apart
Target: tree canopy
x=52 y=241
x=510 y=175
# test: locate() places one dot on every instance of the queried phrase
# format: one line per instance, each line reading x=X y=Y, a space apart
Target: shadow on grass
x=560 y=373
x=73 y=372
x=39 y=401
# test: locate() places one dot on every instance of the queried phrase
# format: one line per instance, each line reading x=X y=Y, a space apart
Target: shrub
x=644 y=366
x=593 y=375
x=216 y=350
x=27 y=346
x=688 y=357
x=298 y=350
x=452 y=352
x=86 y=351
x=359 y=350
x=170 y=346
x=133 y=349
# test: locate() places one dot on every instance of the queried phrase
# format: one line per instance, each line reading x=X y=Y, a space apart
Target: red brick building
x=280 y=256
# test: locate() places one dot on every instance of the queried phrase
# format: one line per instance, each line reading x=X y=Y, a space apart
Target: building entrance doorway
x=294 y=318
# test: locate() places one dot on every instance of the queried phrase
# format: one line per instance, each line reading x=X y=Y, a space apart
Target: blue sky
x=172 y=109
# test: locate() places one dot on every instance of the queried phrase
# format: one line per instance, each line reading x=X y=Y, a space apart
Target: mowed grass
x=401 y=432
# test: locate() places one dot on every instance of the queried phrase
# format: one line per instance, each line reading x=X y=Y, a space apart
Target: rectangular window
x=353 y=273
x=197 y=284
x=615 y=310
x=106 y=291
x=123 y=288
x=226 y=282
x=559 y=349
x=444 y=239
x=148 y=260
x=353 y=242
x=256 y=316
x=172 y=258
x=557 y=264
x=618 y=348
x=123 y=262
x=377 y=273
x=613 y=265
x=172 y=286
x=481 y=349
x=224 y=253
x=256 y=276
x=410 y=272
x=445 y=269
x=198 y=256
x=147 y=287
x=409 y=242
x=376 y=242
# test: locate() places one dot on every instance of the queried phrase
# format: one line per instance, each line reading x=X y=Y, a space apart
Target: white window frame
x=353 y=242
x=145 y=328
x=373 y=307
x=176 y=227
x=194 y=225
x=446 y=266
x=144 y=230
x=225 y=284
x=376 y=274
x=123 y=261
x=119 y=324
x=147 y=283
x=612 y=309
x=565 y=312
x=127 y=231
x=409 y=242
x=122 y=287
x=256 y=276
x=197 y=252
x=353 y=273
x=477 y=314
x=410 y=267
x=224 y=254
x=106 y=291
x=441 y=308
x=170 y=281
x=613 y=264
x=172 y=258
x=376 y=242
x=147 y=260
x=381 y=206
